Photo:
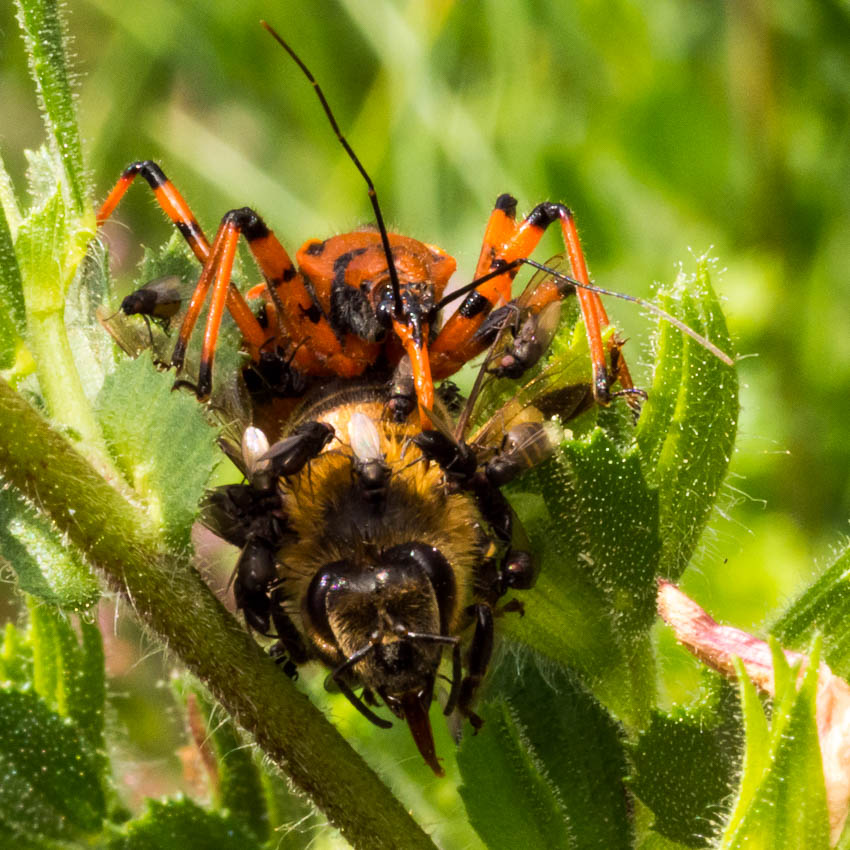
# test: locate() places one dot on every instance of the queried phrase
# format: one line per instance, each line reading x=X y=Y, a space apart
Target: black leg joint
x=544 y=214
x=249 y=223
x=507 y=204
x=149 y=170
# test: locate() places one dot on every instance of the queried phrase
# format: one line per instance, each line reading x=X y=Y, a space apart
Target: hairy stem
x=172 y=599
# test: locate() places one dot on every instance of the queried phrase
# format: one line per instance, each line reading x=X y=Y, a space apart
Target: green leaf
x=685 y=764
x=161 y=442
x=9 y=202
x=12 y=311
x=40 y=248
x=45 y=566
x=823 y=607
x=182 y=823
x=757 y=746
x=782 y=802
x=595 y=599
x=68 y=673
x=49 y=778
x=15 y=657
x=43 y=37
x=687 y=428
x=508 y=799
x=547 y=768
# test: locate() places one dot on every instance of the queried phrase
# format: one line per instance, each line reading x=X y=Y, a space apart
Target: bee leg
x=512 y=606
x=518 y=571
x=477 y=661
x=256 y=569
x=290 y=648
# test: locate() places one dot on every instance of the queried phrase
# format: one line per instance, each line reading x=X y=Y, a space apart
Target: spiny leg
x=298 y=318
x=176 y=208
x=457 y=341
x=167 y=196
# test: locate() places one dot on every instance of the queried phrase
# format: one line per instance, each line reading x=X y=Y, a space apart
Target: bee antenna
x=373 y=195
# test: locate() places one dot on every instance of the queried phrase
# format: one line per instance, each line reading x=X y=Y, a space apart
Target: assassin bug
x=357 y=298
x=372 y=527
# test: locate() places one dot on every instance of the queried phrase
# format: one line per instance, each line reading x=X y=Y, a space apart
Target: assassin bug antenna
x=706 y=343
x=373 y=195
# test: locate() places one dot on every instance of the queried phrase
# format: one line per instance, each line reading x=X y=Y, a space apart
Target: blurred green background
x=671 y=129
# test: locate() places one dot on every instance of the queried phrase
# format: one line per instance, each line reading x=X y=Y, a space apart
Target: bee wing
x=547 y=325
x=364 y=437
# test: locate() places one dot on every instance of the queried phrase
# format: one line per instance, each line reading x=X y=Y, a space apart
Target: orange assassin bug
x=354 y=298
x=360 y=555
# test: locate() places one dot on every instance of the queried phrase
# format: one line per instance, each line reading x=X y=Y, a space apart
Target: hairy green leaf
x=824 y=607
x=161 y=441
x=42 y=29
x=43 y=563
x=782 y=802
x=49 y=778
x=550 y=768
x=182 y=823
x=687 y=428
x=595 y=599
x=12 y=312
x=685 y=763
x=68 y=672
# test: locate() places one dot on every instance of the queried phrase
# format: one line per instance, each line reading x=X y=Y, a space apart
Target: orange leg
x=178 y=211
x=295 y=317
x=456 y=342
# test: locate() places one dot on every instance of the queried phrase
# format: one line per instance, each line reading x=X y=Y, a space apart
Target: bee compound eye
x=331 y=578
x=427 y=561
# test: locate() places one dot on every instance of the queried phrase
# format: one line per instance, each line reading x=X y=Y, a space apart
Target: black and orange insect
x=373 y=532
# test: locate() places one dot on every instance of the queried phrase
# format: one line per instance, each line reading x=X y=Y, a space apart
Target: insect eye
x=430 y=561
x=329 y=578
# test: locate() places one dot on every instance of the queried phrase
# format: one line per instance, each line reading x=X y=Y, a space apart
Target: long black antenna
x=373 y=195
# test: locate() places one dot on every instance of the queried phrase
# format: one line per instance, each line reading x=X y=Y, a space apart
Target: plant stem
x=171 y=598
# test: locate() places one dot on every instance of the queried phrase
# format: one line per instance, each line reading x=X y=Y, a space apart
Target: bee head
x=387 y=618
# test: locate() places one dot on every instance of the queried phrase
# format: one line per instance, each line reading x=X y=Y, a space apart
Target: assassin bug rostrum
x=373 y=531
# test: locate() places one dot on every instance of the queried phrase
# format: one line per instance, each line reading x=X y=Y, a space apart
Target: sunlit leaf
x=687 y=428
x=783 y=800
x=824 y=607
x=685 y=764
x=161 y=441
